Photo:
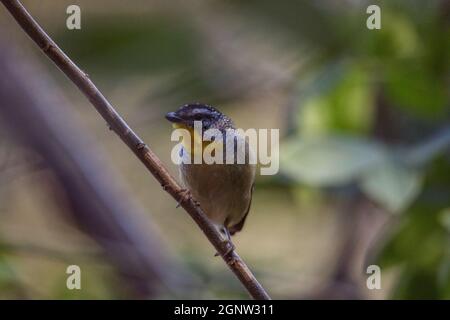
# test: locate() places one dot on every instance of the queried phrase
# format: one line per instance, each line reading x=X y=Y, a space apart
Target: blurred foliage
x=334 y=161
x=8 y=279
x=421 y=244
x=110 y=47
x=370 y=110
x=407 y=61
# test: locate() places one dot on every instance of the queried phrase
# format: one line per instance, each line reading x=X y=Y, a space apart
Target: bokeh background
x=364 y=122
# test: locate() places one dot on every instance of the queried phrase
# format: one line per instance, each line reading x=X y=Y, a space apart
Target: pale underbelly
x=224 y=191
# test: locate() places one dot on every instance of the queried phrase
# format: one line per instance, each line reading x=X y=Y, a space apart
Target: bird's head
x=210 y=117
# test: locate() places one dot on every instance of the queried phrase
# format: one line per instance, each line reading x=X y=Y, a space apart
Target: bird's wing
x=238 y=226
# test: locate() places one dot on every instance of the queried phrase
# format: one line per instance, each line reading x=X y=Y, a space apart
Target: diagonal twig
x=132 y=140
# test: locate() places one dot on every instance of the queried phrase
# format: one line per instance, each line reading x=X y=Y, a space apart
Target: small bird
x=224 y=191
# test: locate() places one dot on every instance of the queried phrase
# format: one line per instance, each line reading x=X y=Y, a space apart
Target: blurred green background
x=364 y=121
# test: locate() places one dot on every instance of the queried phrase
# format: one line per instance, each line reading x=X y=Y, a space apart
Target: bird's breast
x=223 y=190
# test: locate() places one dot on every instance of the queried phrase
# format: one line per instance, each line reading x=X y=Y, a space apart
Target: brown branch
x=139 y=148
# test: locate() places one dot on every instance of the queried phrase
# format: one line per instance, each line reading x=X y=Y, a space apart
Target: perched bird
x=224 y=191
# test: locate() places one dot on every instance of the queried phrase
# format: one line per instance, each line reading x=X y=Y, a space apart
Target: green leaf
x=444 y=219
x=328 y=161
x=391 y=185
x=415 y=89
x=335 y=161
x=425 y=269
x=345 y=105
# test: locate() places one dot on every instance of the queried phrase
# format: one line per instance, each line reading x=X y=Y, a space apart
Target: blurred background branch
x=35 y=113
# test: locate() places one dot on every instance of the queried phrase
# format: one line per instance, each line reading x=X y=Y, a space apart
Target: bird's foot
x=230 y=248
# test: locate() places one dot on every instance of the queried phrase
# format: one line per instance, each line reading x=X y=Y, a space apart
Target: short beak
x=173 y=117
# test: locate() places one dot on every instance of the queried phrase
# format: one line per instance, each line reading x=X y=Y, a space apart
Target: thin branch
x=139 y=148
